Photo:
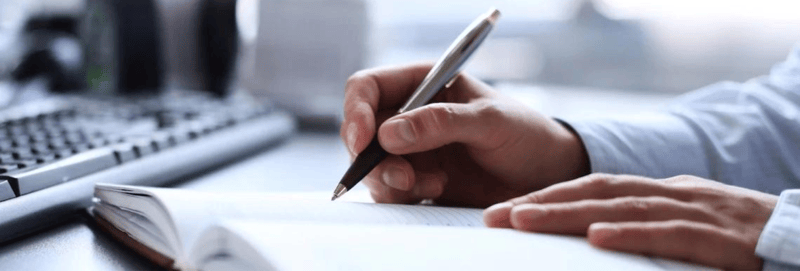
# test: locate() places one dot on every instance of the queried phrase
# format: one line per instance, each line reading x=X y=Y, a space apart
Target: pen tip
x=338 y=192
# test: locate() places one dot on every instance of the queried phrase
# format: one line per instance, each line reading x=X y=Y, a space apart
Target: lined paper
x=192 y=211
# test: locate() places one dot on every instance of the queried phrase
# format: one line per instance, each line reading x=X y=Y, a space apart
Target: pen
x=443 y=74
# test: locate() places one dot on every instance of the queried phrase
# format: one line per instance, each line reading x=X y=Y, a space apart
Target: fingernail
x=497 y=216
x=505 y=206
x=395 y=178
x=351 y=137
x=526 y=215
x=403 y=133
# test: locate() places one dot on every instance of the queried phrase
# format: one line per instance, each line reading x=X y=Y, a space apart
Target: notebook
x=191 y=230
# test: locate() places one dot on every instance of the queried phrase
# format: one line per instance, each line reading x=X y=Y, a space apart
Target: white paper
x=292 y=247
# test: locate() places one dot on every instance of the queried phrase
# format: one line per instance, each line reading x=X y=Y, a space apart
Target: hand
x=684 y=217
x=470 y=147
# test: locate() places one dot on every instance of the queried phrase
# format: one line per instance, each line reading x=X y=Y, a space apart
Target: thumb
x=435 y=125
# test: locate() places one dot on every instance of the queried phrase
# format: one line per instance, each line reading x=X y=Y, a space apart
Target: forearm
x=741 y=134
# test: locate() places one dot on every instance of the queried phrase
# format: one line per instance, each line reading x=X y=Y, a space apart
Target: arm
x=741 y=134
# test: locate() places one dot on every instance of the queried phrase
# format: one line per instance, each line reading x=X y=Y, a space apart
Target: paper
x=388 y=247
x=194 y=211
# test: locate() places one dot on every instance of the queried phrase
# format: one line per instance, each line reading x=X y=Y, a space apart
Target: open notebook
x=191 y=230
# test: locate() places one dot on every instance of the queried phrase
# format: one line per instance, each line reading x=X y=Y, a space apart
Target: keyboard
x=53 y=151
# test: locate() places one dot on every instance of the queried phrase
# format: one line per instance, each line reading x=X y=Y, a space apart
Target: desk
x=306 y=162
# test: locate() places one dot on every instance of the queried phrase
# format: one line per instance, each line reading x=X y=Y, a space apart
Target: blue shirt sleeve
x=779 y=243
x=743 y=134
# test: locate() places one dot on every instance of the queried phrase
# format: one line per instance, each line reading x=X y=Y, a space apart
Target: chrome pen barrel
x=447 y=67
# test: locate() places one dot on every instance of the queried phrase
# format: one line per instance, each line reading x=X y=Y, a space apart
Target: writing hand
x=684 y=217
x=471 y=146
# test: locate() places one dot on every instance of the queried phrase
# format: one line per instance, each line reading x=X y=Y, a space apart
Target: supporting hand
x=684 y=217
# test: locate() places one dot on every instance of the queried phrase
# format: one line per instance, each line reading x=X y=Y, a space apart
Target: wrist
x=573 y=161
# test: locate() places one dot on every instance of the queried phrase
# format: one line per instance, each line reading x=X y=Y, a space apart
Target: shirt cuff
x=779 y=243
x=776 y=266
x=657 y=145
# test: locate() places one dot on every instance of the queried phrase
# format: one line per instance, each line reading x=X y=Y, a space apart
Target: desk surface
x=306 y=162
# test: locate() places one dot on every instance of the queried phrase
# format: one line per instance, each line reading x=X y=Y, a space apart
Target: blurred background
x=299 y=53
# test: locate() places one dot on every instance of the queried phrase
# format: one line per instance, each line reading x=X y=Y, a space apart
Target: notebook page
x=193 y=211
x=389 y=247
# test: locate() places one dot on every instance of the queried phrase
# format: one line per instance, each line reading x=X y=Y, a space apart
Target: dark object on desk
x=218 y=42
x=125 y=53
x=54 y=151
x=122 y=47
x=52 y=52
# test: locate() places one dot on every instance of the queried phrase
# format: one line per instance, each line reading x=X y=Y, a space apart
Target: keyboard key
x=5 y=145
x=21 y=140
x=143 y=147
x=124 y=152
x=180 y=137
x=6 y=157
x=98 y=142
x=5 y=191
x=79 y=165
x=27 y=163
x=63 y=153
x=15 y=130
x=22 y=154
x=74 y=138
x=45 y=158
x=40 y=148
x=80 y=147
x=161 y=141
x=5 y=168
x=57 y=144
x=39 y=137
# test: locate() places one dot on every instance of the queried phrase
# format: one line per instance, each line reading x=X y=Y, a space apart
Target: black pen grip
x=364 y=163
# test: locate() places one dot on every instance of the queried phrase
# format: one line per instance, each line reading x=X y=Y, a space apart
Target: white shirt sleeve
x=743 y=134
x=779 y=244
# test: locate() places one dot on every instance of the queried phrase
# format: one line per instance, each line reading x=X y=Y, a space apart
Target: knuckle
x=599 y=180
x=490 y=110
x=637 y=207
x=532 y=198
x=677 y=228
x=435 y=120
x=356 y=78
x=678 y=179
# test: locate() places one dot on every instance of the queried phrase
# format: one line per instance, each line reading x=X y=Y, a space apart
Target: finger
x=369 y=91
x=575 y=217
x=498 y=215
x=391 y=181
x=357 y=133
x=435 y=125
x=394 y=172
x=430 y=178
x=429 y=185
x=678 y=239
x=384 y=86
x=602 y=186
